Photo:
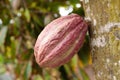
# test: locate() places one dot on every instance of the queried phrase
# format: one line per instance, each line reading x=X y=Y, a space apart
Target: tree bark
x=105 y=37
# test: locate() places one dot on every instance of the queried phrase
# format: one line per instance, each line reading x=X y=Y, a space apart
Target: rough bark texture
x=105 y=37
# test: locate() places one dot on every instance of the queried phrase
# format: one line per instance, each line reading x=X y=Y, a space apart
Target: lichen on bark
x=105 y=39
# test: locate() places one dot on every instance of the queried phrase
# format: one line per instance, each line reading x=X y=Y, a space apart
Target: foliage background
x=21 y=21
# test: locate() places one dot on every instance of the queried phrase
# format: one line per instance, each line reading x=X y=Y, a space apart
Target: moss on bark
x=105 y=39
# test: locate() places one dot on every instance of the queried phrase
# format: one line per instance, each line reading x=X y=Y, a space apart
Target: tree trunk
x=105 y=37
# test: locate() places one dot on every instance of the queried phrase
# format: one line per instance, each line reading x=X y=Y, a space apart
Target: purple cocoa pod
x=60 y=40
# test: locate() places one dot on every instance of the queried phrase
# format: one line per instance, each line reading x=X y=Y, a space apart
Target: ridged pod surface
x=60 y=40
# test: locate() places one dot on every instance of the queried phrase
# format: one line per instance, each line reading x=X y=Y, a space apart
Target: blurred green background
x=21 y=21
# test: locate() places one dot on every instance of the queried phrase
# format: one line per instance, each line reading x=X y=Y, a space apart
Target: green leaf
x=63 y=73
x=3 y=33
x=84 y=74
x=27 y=15
x=2 y=69
x=37 y=20
x=1 y=59
x=47 y=76
x=84 y=52
x=28 y=71
x=37 y=77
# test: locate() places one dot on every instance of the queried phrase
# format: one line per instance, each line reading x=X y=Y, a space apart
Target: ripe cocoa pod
x=60 y=40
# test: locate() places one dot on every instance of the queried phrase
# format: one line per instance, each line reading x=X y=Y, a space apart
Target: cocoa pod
x=60 y=40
